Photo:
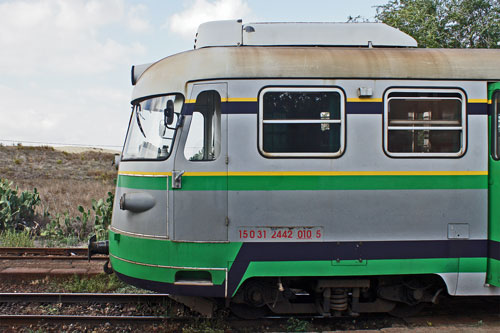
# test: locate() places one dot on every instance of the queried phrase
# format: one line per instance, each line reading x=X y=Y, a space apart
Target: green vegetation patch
x=16 y=207
x=11 y=238
x=102 y=283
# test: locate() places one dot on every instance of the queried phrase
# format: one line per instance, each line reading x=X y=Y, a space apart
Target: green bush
x=16 y=208
x=103 y=210
x=65 y=229
x=55 y=230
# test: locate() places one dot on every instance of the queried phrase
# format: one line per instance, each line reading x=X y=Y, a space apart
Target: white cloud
x=65 y=37
x=97 y=115
x=64 y=68
x=136 y=20
x=186 y=22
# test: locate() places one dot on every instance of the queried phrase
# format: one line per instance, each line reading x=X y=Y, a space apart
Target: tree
x=445 y=23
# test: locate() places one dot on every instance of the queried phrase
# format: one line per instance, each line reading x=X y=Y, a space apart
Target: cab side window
x=424 y=122
x=204 y=137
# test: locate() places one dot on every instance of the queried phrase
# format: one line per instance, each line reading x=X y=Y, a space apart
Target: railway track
x=16 y=262
x=7 y=299
x=27 y=253
x=56 y=319
x=81 y=298
x=460 y=313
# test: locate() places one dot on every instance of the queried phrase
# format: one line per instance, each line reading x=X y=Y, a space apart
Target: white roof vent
x=218 y=33
x=234 y=33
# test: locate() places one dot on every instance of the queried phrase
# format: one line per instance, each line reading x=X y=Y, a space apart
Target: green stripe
x=314 y=183
x=365 y=268
x=368 y=267
x=222 y=255
x=317 y=183
x=493 y=272
x=309 y=183
x=157 y=274
x=204 y=183
x=170 y=253
x=141 y=182
x=372 y=267
x=473 y=265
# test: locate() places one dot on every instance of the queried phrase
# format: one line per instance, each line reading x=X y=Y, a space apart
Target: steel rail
x=52 y=257
x=44 y=251
x=80 y=298
x=33 y=319
x=28 y=253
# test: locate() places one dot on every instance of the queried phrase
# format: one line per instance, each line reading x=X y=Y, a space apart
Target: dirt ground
x=64 y=179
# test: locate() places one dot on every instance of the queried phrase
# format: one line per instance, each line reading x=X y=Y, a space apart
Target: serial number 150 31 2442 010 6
x=280 y=234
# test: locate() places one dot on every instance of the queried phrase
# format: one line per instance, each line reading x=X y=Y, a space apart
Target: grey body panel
x=359 y=215
x=200 y=216
x=152 y=222
x=363 y=215
x=251 y=88
x=363 y=151
x=473 y=284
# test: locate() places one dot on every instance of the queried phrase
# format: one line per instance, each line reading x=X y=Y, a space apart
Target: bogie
x=346 y=296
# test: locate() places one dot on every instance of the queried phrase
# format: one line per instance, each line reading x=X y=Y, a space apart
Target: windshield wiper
x=139 y=122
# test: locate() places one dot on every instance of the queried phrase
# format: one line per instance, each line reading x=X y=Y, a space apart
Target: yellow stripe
x=242 y=99
x=351 y=100
x=478 y=101
x=315 y=173
x=234 y=99
x=358 y=100
x=140 y=173
x=360 y=173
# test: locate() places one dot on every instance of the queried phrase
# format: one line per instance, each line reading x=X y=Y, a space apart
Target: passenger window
x=424 y=123
x=301 y=122
x=203 y=141
x=496 y=126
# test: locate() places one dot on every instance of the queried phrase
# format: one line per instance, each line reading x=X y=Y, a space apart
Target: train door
x=493 y=275
x=199 y=178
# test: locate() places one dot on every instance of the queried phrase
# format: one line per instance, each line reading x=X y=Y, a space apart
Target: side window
x=204 y=136
x=301 y=122
x=424 y=122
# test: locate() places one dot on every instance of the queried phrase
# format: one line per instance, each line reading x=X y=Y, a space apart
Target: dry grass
x=64 y=180
x=59 y=196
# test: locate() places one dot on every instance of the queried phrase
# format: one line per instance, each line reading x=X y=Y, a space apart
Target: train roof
x=247 y=62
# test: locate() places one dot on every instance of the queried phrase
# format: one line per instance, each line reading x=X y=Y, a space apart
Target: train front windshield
x=151 y=131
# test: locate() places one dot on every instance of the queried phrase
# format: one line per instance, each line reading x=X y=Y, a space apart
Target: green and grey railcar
x=311 y=168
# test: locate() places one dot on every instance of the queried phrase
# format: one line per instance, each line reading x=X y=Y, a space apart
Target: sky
x=65 y=64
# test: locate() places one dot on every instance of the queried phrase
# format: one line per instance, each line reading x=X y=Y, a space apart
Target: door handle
x=177 y=178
